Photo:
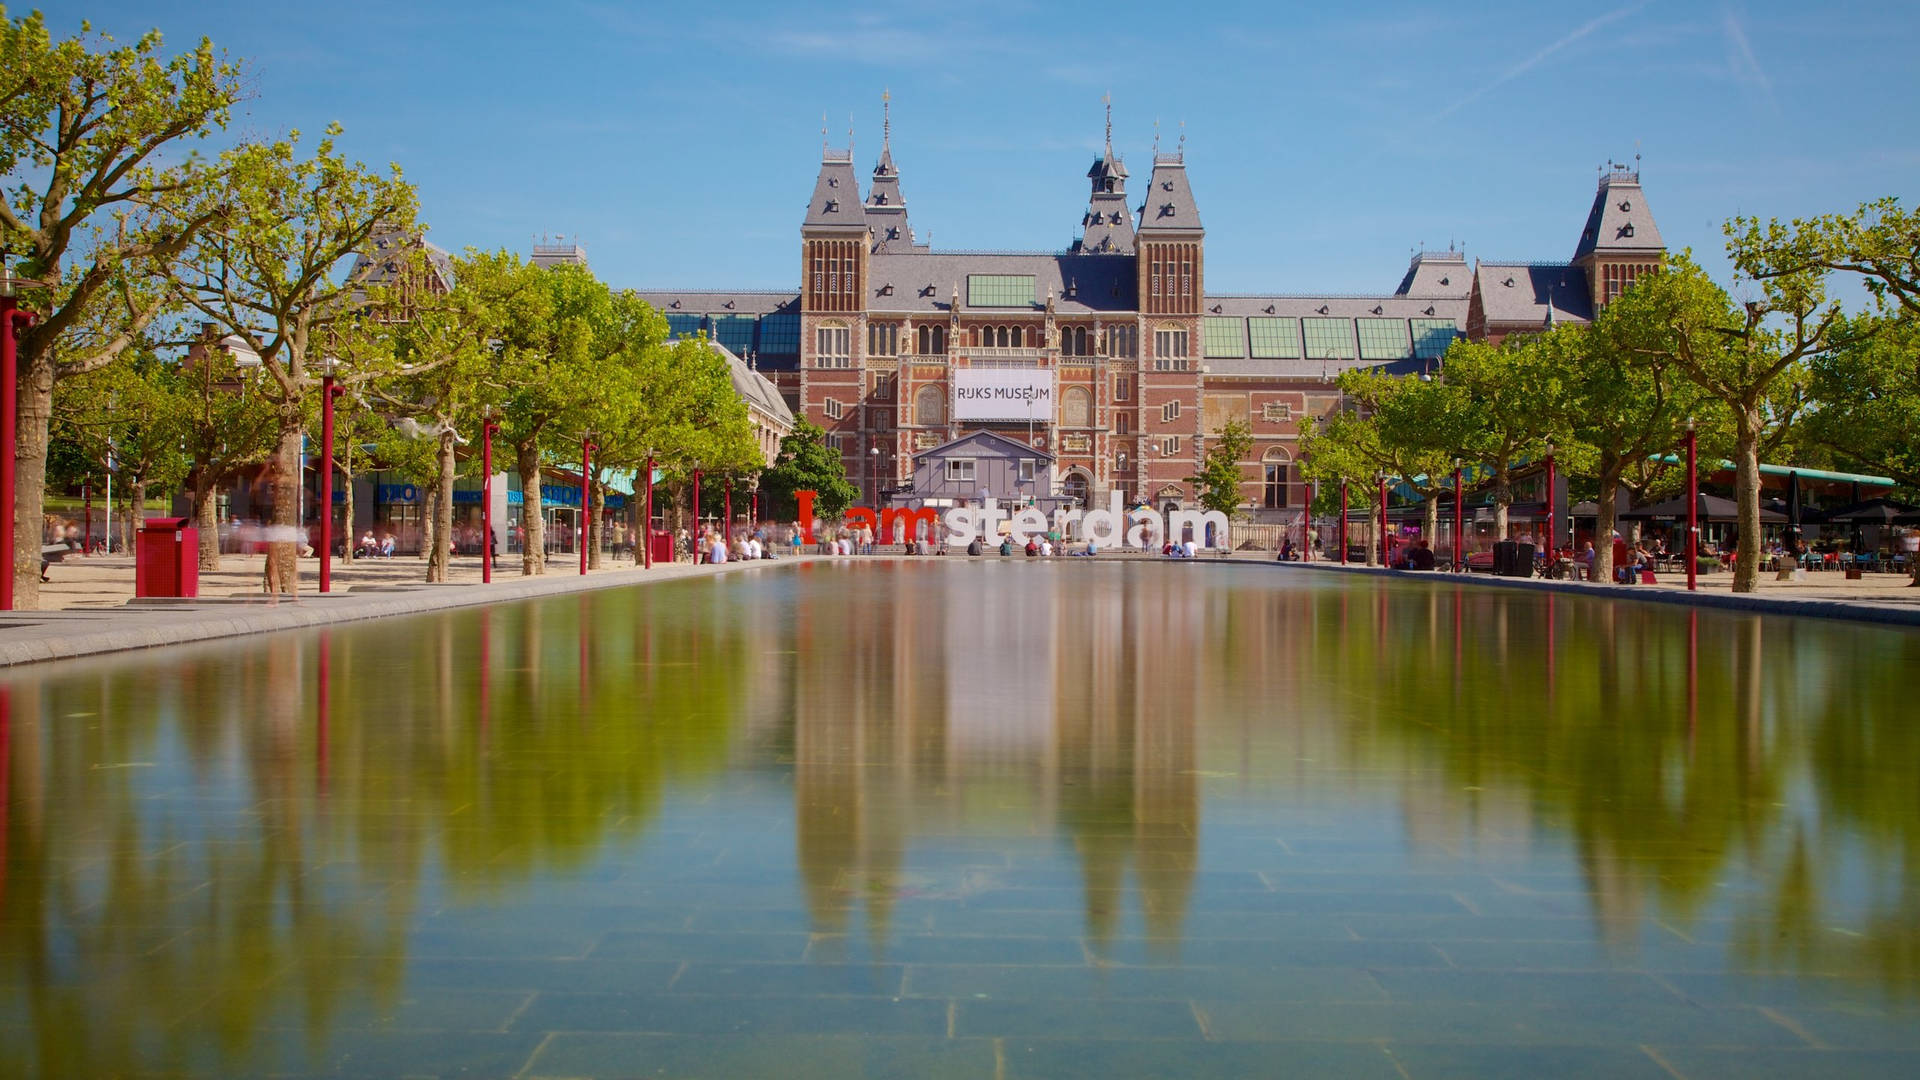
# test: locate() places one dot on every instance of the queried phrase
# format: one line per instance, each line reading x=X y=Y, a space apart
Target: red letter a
x=805 y=499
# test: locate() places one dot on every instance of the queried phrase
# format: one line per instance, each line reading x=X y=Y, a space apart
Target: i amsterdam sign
x=1110 y=526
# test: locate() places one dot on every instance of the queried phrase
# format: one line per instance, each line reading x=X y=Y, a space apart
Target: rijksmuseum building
x=1109 y=363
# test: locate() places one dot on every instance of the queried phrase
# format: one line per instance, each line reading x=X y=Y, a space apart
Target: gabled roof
x=1014 y=445
x=439 y=263
x=1532 y=294
x=1107 y=225
x=721 y=302
x=1080 y=284
x=836 y=195
x=754 y=388
x=1168 y=203
x=1619 y=220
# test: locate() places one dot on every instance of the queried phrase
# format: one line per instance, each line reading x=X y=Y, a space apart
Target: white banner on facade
x=1003 y=394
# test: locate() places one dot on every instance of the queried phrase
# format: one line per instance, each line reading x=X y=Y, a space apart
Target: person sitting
x=1046 y=549
x=1421 y=557
x=1287 y=553
x=1006 y=545
x=368 y=546
x=1033 y=548
x=975 y=547
x=1190 y=550
x=386 y=546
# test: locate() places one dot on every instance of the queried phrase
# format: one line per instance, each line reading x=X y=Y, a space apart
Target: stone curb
x=44 y=638
x=1813 y=608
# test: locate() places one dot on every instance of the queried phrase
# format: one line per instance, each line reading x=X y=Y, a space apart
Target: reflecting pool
x=978 y=819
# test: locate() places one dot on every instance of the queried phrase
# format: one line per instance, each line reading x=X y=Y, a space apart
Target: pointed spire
x=823 y=133
x=1107 y=100
x=886 y=120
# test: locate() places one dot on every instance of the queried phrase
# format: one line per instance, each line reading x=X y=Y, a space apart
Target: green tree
x=291 y=255
x=1751 y=358
x=229 y=424
x=1626 y=407
x=91 y=146
x=807 y=463
x=1419 y=428
x=1220 y=479
x=1513 y=388
x=1343 y=449
x=130 y=418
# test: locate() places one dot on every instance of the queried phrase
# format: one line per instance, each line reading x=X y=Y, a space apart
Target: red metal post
x=328 y=391
x=86 y=511
x=646 y=520
x=1693 y=511
x=487 y=428
x=586 y=501
x=1386 y=545
x=727 y=504
x=1343 y=521
x=699 y=534
x=1459 y=523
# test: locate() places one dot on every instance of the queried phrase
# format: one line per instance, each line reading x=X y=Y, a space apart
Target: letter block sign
x=167 y=559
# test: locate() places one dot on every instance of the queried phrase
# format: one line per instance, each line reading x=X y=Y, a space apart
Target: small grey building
x=968 y=470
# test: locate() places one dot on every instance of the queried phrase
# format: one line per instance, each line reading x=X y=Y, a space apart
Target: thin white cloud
x=1540 y=57
x=1741 y=61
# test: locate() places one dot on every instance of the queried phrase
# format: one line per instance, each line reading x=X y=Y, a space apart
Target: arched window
x=1276 y=474
x=1075 y=485
x=930 y=405
x=1076 y=409
x=939 y=339
x=1002 y=337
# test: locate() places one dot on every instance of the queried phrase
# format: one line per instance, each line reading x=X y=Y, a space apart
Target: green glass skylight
x=1274 y=338
x=1383 y=339
x=1328 y=339
x=1223 y=336
x=1000 y=290
x=1432 y=337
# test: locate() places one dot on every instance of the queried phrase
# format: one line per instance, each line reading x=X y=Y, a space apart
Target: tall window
x=1170 y=412
x=833 y=409
x=1026 y=470
x=833 y=345
x=1119 y=341
x=1170 y=446
x=933 y=340
x=1122 y=386
x=1170 y=349
x=883 y=339
x=1277 y=477
x=1122 y=423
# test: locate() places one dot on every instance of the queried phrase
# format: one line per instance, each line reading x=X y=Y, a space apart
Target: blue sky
x=679 y=143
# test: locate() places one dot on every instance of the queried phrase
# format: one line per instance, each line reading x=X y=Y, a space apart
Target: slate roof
x=727 y=302
x=1524 y=293
x=836 y=195
x=438 y=260
x=1107 y=225
x=1244 y=365
x=1168 y=202
x=926 y=282
x=754 y=388
x=1619 y=220
x=1437 y=273
x=1006 y=446
x=887 y=208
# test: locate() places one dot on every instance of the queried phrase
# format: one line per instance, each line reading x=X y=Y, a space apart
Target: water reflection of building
x=954 y=708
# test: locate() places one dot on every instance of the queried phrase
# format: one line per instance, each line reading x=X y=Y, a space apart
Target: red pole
x=487 y=428
x=586 y=501
x=728 y=530
x=1459 y=523
x=1693 y=510
x=699 y=534
x=646 y=522
x=328 y=391
x=86 y=537
x=9 y=380
x=1386 y=545
x=1343 y=521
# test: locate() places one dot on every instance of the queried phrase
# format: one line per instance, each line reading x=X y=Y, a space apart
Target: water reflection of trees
x=1677 y=751
x=188 y=845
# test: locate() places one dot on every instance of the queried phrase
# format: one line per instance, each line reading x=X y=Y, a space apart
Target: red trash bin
x=167 y=559
x=662 y=545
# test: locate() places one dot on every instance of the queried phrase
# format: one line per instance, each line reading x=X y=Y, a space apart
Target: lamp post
x=10 y=316
x=699 y=533
x=1459 y=521
x=586 y=498
x=1693 y=509
x=646 y=520
x=329 y=391
x=487 y=428
x=1550 y=507
x=1343 y=521
x=873 y=471
x=1386 y=547
x=726 y=507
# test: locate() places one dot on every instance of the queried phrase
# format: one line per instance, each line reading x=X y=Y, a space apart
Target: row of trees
x=1778 y=366
x=308 y=265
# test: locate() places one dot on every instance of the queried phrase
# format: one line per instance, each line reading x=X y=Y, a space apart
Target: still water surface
x=950 y=818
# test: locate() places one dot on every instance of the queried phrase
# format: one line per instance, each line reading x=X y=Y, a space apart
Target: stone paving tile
x=1497 y=1025
x=1702 y=1063
x=1526 y=1062
x=1509 y=928
x=597 y=976
x=946 y=949
x=1022 y=982
x=641 y=945
x=1338 y=903
x=1086 y=1019
x=752 y=979
x=702 y=1014
x=1050 y=1059
x=1597 y=988
x=574 y=1055
x=1262 y=952
x=1859 y=1029
x=1582 y=956
x=1866 y=992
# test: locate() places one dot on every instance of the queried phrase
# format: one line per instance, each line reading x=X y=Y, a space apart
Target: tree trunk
x=203 y=507
x=34 y=412
x=1378 y=518
x=1746 y=457
x=1430 y=523
x=533 y=549
x=286 y=501
x=349 y=539
x=596 y=506
x=442 y=554
x=136 y=513
x=1605 y=522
